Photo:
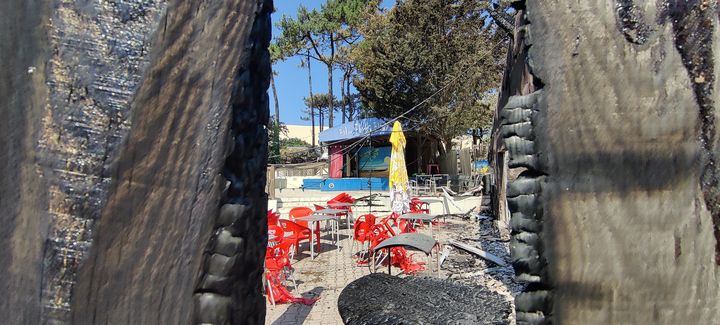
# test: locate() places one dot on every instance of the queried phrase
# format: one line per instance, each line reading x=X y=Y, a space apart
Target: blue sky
x=291 y=80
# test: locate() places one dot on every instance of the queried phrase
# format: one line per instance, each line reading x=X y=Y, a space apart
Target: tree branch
x=315 y=48
x=502 y=19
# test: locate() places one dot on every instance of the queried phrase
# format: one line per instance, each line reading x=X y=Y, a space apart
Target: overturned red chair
x=278 y=268
x=394 y=248
x=362 y=228
x=388 y=246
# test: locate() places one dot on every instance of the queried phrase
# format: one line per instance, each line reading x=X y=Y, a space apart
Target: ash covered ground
x=480 y=231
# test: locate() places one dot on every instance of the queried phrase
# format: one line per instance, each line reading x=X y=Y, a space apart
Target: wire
x=409 y=110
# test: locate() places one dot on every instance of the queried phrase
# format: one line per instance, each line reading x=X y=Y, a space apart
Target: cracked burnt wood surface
x=116 y=123
x=149 y=253
x=70 y=69
x=614 y=217
x=23 y=216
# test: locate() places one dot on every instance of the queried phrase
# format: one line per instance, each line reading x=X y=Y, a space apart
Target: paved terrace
x=333 y=269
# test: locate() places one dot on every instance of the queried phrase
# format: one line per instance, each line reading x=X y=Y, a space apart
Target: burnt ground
x=466 y=268
x=467 y=290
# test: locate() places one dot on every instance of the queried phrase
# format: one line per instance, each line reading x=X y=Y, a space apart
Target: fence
x=283 y=176
x=303 y=169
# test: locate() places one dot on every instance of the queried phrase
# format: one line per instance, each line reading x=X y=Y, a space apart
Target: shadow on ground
x=297 y=313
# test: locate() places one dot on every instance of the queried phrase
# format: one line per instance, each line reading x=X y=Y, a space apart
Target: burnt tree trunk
x=133 y=161
x=615 y=214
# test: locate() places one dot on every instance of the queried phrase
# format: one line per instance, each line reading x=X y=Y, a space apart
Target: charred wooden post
x=126 y=126
x=615 y=212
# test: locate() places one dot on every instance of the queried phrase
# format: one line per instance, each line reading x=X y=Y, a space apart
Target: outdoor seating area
x=319 y=247
x=364 y=244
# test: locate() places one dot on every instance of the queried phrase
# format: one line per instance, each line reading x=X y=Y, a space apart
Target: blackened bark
x=204 y=96
x=625 y=97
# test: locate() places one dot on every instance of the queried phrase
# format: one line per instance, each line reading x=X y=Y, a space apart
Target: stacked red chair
x=342 y=198
x=278 y=267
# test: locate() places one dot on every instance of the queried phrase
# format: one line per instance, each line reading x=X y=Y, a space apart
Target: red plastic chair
x=280 y=239
x=398 y=256
x=299 y=233
x=419 y=206
x=362 y=230
x=304 y=212
x=342 y=198
x=273 y=217
x=318 y=207
x=278 y=268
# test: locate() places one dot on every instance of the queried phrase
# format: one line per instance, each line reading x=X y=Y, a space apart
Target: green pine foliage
x=448 y=51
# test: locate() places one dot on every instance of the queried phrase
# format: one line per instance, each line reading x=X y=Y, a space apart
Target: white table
x=332 y=212
x=344 y=207
x=335 y=212
x=312 y=220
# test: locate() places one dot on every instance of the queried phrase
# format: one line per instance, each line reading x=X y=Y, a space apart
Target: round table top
x=329 y=211
x=418 y=241
x=317 y=217
x=417 y=216
x=341 y=204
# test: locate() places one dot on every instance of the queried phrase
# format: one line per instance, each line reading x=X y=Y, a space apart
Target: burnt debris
x=379 y=298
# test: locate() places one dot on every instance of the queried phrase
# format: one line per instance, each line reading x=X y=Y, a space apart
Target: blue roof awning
x=356 y=129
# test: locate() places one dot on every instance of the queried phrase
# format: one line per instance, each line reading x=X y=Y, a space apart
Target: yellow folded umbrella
x=398 y=177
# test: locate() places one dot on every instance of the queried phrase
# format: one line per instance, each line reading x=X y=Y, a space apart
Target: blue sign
x=356 y=129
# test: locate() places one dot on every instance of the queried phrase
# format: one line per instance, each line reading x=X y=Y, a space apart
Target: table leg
x=389 y=261
x=312 y=240
x=336 y=230
x=437 y=258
